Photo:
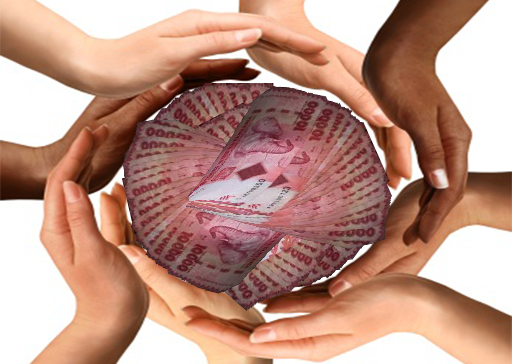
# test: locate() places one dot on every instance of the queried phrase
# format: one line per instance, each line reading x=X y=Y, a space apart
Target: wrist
x=236 y=359
x=273 y=8
x=108 y=329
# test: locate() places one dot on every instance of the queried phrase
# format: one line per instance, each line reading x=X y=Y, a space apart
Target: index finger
x=312 y=348
x=196 y=22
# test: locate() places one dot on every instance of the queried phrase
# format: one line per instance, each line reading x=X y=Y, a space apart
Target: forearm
x=80 y=345
x=424 y=27
x=36 y=37
x=468 y=330
x=22 y=172
x=278 y=9
x=489 y=198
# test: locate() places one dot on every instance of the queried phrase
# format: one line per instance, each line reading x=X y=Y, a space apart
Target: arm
x=470 y=331
x=111 y=300
x=342 y=77
x=169 y=294
x=23 y=169
x=80 y=344
x=486 y=203
x=35 y=37
x=399 y=70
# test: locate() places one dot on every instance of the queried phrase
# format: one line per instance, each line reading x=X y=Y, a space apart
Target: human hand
x=164 y=50
x=110 y=296
x=378 y=307
x=341 y=76
x=168 y=294
x=386 y=256
x=401 y=76
x=122 y=116
x=466 y=329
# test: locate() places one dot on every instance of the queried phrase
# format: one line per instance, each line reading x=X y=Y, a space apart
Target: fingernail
x=263 y=336
x=248 y=35
x=132 y=254
x=172 y=84
x=381 y=118
x=439 y=179
x=71 y=191
x=339 y=287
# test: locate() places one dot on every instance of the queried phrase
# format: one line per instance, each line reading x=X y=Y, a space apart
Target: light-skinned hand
x=383 y=305
x=37 y=38
x=342 y=76
x=390 y=255
x=470 y=331
x=111 y=299
x=168 y=294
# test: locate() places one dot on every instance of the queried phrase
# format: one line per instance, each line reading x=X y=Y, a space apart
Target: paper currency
x=254 y=190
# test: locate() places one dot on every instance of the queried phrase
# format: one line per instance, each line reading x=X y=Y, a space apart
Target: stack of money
x=254 y=198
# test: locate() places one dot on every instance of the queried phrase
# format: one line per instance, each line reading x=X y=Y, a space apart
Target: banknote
x=253 y=190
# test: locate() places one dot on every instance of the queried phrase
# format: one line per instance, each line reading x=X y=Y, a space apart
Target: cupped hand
x=121 y=116
x=142 y=60
x=383 y=305
x=168 y=294
x=342 y=76
x=386 y=256
x=109 y=292
x=409 y=91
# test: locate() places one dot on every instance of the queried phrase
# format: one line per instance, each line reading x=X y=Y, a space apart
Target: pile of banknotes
x=253 y=190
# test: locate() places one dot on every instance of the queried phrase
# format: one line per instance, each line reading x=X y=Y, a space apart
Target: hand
x=109 y=293
x=356 y=316
x=122 y=116
x=342 y=76
x=165 y=49
x=470 y=331
x=168 y=294
x=386 y=256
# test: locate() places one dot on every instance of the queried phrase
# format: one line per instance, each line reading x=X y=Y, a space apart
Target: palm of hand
x=167 y=299
x=386 y=256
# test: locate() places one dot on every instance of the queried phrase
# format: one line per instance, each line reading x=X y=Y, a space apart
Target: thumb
x=80 y=216
x=198 y=46
x=431 y=157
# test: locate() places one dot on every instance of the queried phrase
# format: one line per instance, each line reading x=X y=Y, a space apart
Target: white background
x=36 y=304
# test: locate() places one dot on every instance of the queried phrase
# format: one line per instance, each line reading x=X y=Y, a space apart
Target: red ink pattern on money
x=254 y=190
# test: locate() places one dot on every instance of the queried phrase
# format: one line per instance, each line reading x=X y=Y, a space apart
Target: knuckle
x=434 y=151
x=43 y=234
x=75 y=219
x=216 y=39
x=362 y=97
x=364 y=272
x=146 y=98
x=191 y=12
x=149 y=274
x=296 y=331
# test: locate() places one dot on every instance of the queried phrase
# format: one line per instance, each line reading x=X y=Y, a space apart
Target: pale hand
x=168 y=294
x=342 y=76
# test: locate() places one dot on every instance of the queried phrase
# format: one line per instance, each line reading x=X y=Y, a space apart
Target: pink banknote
x=254 y=190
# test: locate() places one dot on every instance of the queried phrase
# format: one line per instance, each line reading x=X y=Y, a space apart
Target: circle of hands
x=117 y=285
x=115 y=282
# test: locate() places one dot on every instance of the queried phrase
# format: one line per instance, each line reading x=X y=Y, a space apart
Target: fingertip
x=339 y=286
x=380 y=119
x=439 y=179
x=133 y=254
x=72 y=192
